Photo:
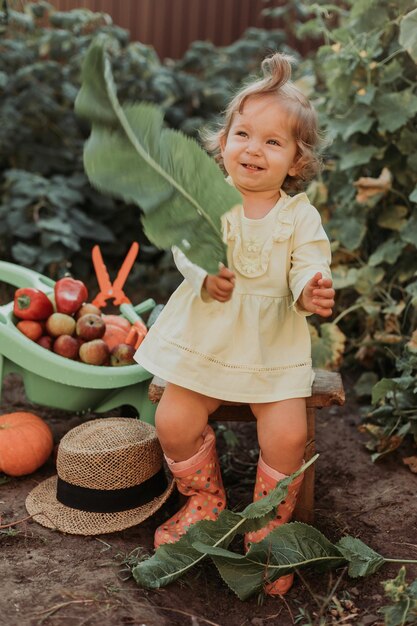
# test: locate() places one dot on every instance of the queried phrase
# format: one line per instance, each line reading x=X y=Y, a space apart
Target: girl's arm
x=310 y=264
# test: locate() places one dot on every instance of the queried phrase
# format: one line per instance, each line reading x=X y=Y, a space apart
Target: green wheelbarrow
x=52 y=380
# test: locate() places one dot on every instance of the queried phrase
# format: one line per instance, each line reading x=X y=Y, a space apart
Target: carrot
x=33 y=330
x=114 y=335
x=117 y=320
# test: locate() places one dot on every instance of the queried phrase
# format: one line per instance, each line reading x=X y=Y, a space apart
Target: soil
x=50 y=578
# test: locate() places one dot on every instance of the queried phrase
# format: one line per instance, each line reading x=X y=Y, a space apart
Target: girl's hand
x=318 y=296
x=220 y=286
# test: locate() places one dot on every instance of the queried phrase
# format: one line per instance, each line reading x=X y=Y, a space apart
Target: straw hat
x=110 y=477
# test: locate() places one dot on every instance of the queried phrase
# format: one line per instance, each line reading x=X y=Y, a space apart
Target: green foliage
x=181 y=190
x=288 y=547
x=404 y=597
x=368 y=107
x=395 y=405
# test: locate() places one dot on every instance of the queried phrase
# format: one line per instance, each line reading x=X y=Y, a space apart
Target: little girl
x=241 y=335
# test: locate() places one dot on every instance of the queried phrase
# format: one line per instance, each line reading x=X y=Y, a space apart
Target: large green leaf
x=129 y=154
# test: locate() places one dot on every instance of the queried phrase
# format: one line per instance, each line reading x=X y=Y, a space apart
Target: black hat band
x=111 y=500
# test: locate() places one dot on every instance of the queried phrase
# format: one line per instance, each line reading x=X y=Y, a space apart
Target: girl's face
x=260 y=150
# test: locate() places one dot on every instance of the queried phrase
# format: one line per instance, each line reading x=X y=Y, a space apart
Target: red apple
x=60 y=324
x=45 y=341
x=66 y=346
x=95 y=352
x=86 y=308
x=90 y=327
x=122 y=354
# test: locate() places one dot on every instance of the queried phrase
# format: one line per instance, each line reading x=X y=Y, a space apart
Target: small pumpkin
x=25 y=443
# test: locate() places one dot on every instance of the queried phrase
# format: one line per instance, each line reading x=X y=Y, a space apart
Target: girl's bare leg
x=282 y=433
x=180 y=420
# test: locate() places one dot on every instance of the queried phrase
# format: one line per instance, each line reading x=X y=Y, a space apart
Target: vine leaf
x=408 y=34
x=129 y=154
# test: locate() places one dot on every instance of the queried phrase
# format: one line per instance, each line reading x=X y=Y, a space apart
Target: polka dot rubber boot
x=198 y=478
x=266 y=479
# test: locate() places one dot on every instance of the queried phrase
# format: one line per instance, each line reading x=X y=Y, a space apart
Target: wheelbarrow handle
x=24 y=277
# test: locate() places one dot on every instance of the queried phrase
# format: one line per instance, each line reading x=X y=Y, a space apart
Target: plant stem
x=412 y=561
x=346 y=311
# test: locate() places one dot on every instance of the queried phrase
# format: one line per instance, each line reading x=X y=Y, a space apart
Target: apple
x=86 y=308
x=95 y=352
x=90 y=327
x=60 y=324
x=45 y=341
x=66 y=346
x=122 y=354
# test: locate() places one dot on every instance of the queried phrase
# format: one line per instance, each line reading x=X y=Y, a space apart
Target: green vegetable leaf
x=129 y=154
x=288 y=547
x=362 y=559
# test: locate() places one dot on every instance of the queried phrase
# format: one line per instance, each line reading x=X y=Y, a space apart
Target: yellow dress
x=256 y=347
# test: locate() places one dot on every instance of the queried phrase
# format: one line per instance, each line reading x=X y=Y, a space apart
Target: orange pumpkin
x=25 y=443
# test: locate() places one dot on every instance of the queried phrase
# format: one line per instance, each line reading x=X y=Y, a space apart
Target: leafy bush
x=369 y=109
x=395 y=400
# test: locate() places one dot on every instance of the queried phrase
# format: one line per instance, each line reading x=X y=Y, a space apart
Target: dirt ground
x=49 y=578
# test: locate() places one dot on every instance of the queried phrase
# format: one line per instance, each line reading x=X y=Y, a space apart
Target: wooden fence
x=171 y=25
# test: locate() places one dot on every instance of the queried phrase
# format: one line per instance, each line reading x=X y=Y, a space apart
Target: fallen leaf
x=368 y=187
x=411 y=461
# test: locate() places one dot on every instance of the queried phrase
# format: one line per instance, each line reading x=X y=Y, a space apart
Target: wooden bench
x=327 y=390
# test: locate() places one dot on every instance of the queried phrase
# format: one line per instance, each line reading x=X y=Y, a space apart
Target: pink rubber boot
x=266 y=479
x=199 y=478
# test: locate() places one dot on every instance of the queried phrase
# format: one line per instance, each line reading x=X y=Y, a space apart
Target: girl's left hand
x=318 y=296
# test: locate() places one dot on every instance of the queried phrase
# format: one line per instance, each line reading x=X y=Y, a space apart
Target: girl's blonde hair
x=276 y=80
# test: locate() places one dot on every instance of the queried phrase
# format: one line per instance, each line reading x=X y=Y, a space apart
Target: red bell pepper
x=69 y=295
x=31 y=304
